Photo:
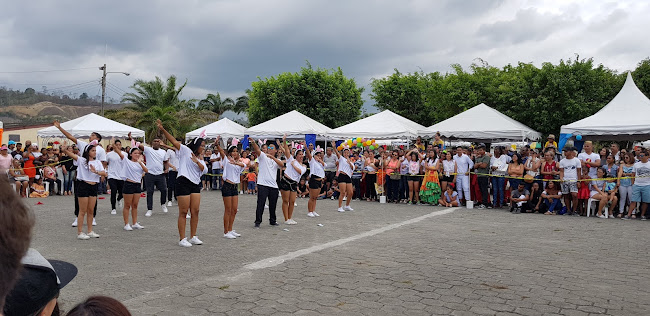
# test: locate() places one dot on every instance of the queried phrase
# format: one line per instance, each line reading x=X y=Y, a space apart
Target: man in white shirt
x=590 y=159
x=155 y=178
x=616 y=151
x=100 y=153
x=570 y=168
x=641 y=187
x=463 y=165
x=217 y=169
x=115 y=174
x=267 y=185
x=171 y=173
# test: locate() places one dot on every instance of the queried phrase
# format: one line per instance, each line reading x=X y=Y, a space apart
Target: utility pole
x=103 y=68
x=103 y=86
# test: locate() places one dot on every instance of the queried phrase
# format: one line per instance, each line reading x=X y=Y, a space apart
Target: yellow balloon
x=358 y=139
x=349 y=142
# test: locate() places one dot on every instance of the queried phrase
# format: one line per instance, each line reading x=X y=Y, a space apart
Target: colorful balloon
x=349 y=142
x=358 y=139
x=578 y=137
x=372 y=147
x=359 y=145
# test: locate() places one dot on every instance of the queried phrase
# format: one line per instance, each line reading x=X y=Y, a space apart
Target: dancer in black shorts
x=289 y=181
x=134 y=167
x=232 y=168
x=346 y=167
x=316 y=175
x=188 y=187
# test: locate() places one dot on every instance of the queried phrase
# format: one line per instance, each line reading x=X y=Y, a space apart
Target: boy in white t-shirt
x=570 y=167
x=590 y=159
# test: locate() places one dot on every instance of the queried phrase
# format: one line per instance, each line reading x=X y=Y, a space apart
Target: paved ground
x=377 y=260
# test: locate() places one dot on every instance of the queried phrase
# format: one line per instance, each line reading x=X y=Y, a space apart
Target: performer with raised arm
x=232 y=168
x=134 y=167
x=94 y=139
x=156 y=161
x=289 y=181
x=267 y=185
x=316 y=176
x=188 y=185
x=346 y=167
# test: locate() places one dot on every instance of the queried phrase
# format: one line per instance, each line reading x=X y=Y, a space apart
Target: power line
x=36 y=71
x=116 y=87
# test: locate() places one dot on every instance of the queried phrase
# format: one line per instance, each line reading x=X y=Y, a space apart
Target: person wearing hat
x=37 y=289
x=11 y=145
x=550 y=141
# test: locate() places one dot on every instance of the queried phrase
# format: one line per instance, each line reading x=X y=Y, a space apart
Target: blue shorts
x=251 y=185
x=641 y=193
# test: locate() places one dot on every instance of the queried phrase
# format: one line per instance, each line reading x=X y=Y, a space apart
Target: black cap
x=481 y=145
x=39 y=282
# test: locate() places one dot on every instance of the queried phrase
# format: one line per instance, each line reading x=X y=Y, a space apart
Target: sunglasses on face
x=270 y=147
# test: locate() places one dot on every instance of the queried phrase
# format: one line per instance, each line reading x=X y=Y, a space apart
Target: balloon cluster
x=358 y=142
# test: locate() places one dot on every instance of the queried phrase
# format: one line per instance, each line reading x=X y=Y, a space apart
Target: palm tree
x=213 y=102
x=153 y=93
x=241 y=105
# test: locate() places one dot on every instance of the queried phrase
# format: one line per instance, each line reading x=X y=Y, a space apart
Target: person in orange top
x=252 y=178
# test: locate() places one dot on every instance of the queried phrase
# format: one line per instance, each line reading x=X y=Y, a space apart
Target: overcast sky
x=225 y=45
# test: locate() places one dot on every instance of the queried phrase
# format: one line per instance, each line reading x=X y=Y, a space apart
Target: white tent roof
x=293 y=124
x=382 y=125
x=482 y=123
x=85 y=125
x=626 y=117
x=223 y=127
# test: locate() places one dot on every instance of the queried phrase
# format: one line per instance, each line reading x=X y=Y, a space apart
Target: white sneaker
x=128 y=227
x=94 y=222
x=287 y=222
x=266 y=206
x=611 y=216
x=345 y=198
x=113 y=212
x=348 y=208
x=315 y=214
x=188 y=215
x=234 y=233
x=93 y=235
x=196 y=241
x=311 y=214
x=602 y=216
x=138 y=226
x=295 y=204
x=148 y=214
x=120 y=203
x=341 y=210
x=164 y=208
x=169 y=203
x=229 y=235
x=184 y=243
x=83 y=236
x=74 y=224
x=292 y=222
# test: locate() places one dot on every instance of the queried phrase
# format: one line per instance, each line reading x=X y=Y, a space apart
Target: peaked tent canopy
x=482 y=124
x=626 y=117
x=87 y=124
x=223 y=127
x=383 y=125
x=293 y=124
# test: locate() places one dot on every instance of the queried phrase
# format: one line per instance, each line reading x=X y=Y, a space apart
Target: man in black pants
x=156 y=162
x=482 y=166
x=267 y=185
x=115 y=175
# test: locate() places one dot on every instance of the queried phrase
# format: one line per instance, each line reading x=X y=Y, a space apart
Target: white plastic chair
x=605 y=209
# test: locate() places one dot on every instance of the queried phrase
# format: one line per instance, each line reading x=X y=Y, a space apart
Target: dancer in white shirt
x=346 y=168
x=316 y=176
x=289 y=181
x=133 y=169
x=232 y=168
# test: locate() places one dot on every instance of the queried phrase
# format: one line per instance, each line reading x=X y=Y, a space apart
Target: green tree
x=325 y=96
x=153 y=93
x=641 y=76
x=214 y=103
x=241 y=104
x=83 y=96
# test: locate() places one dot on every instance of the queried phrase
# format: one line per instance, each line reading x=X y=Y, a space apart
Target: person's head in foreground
x=99 y=306
x=16 y=222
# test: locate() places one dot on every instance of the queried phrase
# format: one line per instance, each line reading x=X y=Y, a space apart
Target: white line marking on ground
x=274 y=261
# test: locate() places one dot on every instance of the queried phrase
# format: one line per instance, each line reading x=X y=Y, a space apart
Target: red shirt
x=548 y=167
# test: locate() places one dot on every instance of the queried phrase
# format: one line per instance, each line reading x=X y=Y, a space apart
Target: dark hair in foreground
x=16 y=222
x=99 y=306
x=194 y=144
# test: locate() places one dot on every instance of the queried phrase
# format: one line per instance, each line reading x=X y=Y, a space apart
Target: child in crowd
x=584 y=191
x=334 y=191
x=38 y=190
x=302 y=188
x=569 y=170
x=251 y=177
x=450 y=197
x=551 y=196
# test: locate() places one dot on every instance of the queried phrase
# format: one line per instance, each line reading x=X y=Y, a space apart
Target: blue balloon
x=578 y=137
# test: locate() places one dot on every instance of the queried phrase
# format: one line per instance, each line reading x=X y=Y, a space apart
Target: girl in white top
x=346 y=167
x=449 y=169
x=294 y=170
x=232 y=169
x=133 y=169
x=89 y=173
x=316 y=175
x=414 y=158
x=188 y=187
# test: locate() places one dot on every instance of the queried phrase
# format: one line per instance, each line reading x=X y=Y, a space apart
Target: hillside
x=46 y=111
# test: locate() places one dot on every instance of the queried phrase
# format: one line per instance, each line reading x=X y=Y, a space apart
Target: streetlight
x=104 y=82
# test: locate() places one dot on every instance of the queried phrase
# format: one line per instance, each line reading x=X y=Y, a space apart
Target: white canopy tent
x=383 y=125
x=482 y=124
x=294 y=124
x=83 y=126
x=223 y=127
x=626 y=117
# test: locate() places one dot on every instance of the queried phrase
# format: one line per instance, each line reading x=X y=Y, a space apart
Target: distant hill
x=28 y=114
